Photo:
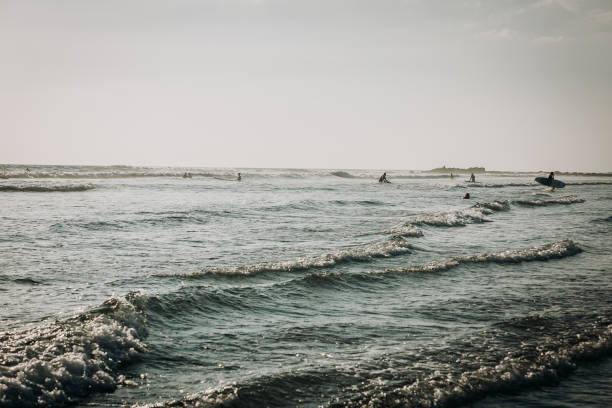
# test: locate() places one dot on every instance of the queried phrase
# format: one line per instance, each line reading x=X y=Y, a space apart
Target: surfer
x=472 y=178
x=239 y=178
x=551 y=180
x=466 y=196
x=452 y=175
x=383 y=178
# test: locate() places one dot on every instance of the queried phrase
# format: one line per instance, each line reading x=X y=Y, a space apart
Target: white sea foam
x=572 y=199
x=478 y=213
x=456 y=218
x=555 y=250
x=526 y=367
x=406 y=230
x=384 y=249
x=56 y=364
x=495 y=205
x=523 y=369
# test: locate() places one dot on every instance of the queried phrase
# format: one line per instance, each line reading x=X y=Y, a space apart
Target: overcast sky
x=509 y=84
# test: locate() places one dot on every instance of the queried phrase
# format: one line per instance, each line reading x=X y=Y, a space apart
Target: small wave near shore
x=555 y=250
x=60 y=363
x=528 y=366
x=365 y=253
x=45 y=188
x=572 y=199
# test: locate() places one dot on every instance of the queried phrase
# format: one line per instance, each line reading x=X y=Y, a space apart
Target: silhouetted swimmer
x=383 y=178
x=466 y=196
x=239 y=177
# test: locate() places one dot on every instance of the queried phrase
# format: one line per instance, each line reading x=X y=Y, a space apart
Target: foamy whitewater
x=133 y=286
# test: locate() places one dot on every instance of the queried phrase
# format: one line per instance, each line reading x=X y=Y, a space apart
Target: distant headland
x=445 y=169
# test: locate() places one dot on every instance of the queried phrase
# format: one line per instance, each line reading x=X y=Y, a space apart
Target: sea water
x=130 y=286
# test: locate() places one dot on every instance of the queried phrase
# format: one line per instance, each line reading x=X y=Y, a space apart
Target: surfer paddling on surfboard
x=383 y=178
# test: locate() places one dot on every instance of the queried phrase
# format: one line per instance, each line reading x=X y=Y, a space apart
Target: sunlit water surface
x=133 y=286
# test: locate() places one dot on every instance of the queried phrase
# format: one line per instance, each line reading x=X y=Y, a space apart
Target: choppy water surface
x=133 y=286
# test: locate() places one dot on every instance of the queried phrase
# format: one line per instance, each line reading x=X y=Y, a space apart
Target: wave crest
x=456 y=218
x=342 y=174
x=533 y=366
x=59 y=363
x=46 y=188
x=385 y=249
x=555 y=250
x=551 y=201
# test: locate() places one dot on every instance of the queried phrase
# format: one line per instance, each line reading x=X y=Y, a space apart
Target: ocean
x=133 y=286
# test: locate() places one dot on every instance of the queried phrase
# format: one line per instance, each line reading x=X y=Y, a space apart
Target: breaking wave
x=458 y=218
x=46 y=187
x=542 y=360
x=494 y=205
x=62 y=362
x=406 y=230
x=555 y=250
x=366 y=253
x=551 y=201
x=531 y=365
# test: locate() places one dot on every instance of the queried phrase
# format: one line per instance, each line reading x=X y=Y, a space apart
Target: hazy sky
x=509 y=84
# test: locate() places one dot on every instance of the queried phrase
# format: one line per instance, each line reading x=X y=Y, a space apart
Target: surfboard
x=546 y=182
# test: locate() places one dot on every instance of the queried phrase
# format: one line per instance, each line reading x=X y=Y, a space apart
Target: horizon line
x=309 y=168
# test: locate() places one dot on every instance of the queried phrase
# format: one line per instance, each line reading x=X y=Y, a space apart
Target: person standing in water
x=239 y=177
x=472 y=178
x=551 y=180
